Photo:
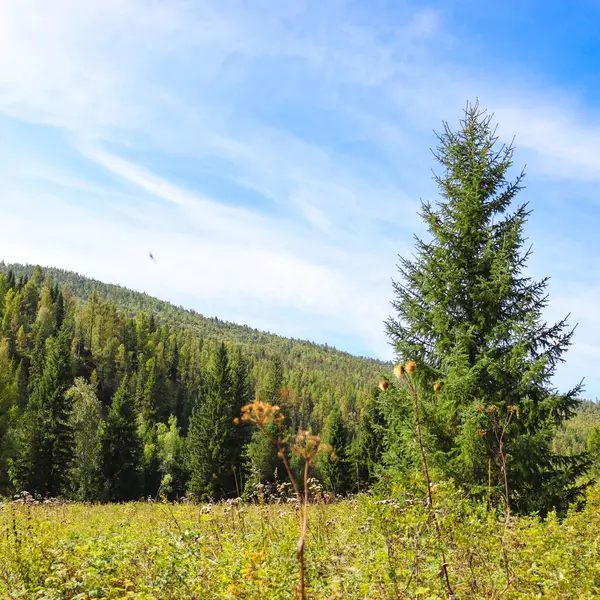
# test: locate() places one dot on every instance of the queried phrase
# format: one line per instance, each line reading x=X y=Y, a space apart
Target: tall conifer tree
x=120 y=447
x=212 y=433
x=335 y=468
x=47 y=434
x=472 y=319
x=8 y=414
x=261 y=452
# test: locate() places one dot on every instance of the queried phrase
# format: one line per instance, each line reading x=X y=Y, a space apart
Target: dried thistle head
x=261 y=413
x=437 y=388
x=411 y=366
x=307 y=446
x=384 y=385
x=399 y=370
x=493 y=409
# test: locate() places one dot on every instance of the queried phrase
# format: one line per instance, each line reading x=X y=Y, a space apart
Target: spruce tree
x=212 y=434
x=59 y=308
x=120 y=448
x=334 y=468
x=149 y=459
x=10 y=280
x=47 y=436
x=261 y=453
x=154 y=400
x=21 y=384
x=8 y=416
x=242 y=394
x=471 y=318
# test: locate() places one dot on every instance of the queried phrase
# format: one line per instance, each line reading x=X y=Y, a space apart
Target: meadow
x=361 y=548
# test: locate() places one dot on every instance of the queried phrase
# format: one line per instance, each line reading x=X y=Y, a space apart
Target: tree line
x=102 y=403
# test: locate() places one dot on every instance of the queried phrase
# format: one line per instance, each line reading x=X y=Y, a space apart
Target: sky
x=272 y=155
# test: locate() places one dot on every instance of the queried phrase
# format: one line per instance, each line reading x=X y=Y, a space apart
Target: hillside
x=73 y=351
x=259 y=343
x=572 y=437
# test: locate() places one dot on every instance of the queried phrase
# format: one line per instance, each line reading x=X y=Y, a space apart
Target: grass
x=356 y=549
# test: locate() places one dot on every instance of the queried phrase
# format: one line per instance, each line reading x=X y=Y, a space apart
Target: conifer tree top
x=465 y=287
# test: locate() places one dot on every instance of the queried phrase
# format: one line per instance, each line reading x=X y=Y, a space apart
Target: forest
x=84 y=364
x=458 y=469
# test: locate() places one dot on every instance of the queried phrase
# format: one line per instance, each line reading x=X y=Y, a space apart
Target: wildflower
x=411 y=366
x=492 y=408
x=384 y=385
x=307 y=446
x=261 y=413
x=513 y=408
x=399 y=370
x=437 y=387
x=482 y=432
x=480 y=408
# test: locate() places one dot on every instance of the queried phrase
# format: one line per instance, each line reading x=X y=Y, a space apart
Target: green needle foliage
x=120 y=448
x=213 y=442
x=47 y=433
x=471 y=318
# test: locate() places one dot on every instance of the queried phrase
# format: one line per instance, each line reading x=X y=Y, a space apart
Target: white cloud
x=139 y=85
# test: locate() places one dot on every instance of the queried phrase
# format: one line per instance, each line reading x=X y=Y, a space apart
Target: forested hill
x=67 y=342
x=209 y=327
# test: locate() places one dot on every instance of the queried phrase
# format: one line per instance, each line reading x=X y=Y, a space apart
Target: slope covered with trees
x=108 y=393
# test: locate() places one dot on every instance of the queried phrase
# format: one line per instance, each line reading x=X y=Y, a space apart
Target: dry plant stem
x=444 y=569
x=237 y=487
x=303 y=529
x=306 y=446
x=503 y=462
x=489 y=498
x=302 y=510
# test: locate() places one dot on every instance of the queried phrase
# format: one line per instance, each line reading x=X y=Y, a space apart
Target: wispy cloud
x=272 y=155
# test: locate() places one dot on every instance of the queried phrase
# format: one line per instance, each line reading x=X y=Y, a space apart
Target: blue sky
x=272 y=154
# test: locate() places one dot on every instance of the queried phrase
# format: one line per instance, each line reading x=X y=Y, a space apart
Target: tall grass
x=362 y=548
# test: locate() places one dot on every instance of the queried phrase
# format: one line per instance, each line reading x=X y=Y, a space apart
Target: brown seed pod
x=437 y=387
x=384 y=385
x=399 y=370
x=411 y=366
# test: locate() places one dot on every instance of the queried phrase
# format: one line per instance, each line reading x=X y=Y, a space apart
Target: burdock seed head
x=411 y=366
x=399 y=370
